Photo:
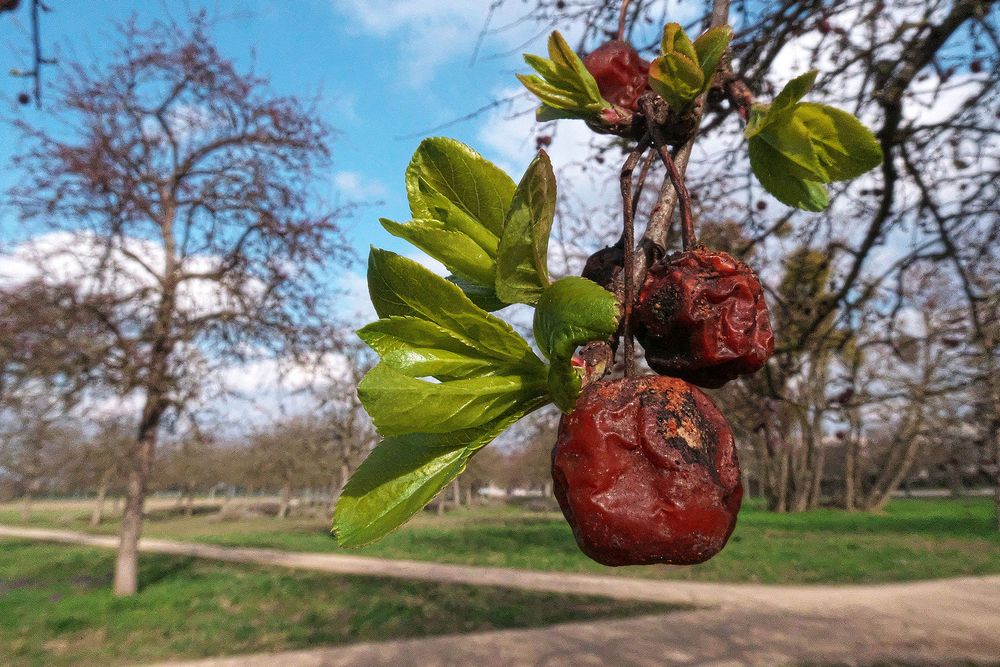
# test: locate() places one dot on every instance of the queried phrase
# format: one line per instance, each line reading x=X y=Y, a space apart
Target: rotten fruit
x=701 y=316
x=645 y=471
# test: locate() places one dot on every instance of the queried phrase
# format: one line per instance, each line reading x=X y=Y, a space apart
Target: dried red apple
x=701 y=316
x=645 y=471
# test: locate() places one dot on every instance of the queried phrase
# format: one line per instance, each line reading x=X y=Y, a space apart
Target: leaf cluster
x=565 y=87
x=797 y=147
x=452 y=375
x=684 y=69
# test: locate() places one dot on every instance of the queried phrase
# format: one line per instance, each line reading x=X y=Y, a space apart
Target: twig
x=688 y=238
x=641 y=183
x=653 y=240
x=622 y=19
x=628 y=233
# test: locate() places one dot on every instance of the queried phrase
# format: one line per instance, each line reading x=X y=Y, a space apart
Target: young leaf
x=403 y=474
x=459 y=253
x=402 y=287
x=794 y=91
x=676 y=78
x=565 y=87
x=763 y=115
x=522 y=258
x=571 y=311
x=420 y=348
x=796 y=146
x=844 y=146
x=399 y=404
x=483 y=296
x=448 y=181
x=710 y=46
x=772 y=170
x=791 y=138
x=675 y=39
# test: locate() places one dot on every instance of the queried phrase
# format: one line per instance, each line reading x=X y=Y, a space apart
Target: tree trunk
x=954 y=477
x=456 y=493
x=468 y=496
x=26 y=506
x=189 y=509
x=102 y=492
x=996 y=491
x=127 y=565
x=286 y=500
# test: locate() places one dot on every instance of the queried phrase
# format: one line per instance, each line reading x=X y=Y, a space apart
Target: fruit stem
x=622 y=19
x=628 y=232
x=655 y=132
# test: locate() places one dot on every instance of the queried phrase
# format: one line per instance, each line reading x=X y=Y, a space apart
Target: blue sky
x=379 y=70
x=386 y=71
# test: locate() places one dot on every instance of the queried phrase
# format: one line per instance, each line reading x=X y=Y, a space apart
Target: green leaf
x=448 y=181
x=844 y=146
x=710 y=46
x=403 y=474
x=571 y=311
x=772 y=170
x=763 y=115
x=400 y=286
x=794 y=91
x=459 y=253
x=675 y=39
x=565 y=87
x=676 y=78
x=792 y=139
x=482 y=295
x=522 y=257
x=420 y=348
x=399 y=404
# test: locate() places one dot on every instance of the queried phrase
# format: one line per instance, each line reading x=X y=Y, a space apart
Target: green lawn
x=56 y=608
x=912 y=539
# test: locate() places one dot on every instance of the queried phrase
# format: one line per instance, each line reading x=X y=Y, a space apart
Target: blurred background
x=188 y=194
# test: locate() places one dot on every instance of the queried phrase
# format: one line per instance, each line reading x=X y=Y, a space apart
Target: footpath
x=947 y=621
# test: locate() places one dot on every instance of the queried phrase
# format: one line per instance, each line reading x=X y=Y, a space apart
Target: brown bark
x=26 y=506
x=850 y=472
x=286 y=500
x=126 y=581
x=456 y=493
x=102 y=490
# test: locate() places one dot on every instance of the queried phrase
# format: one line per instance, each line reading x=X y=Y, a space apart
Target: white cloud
x=427 y=33
x=356 y=186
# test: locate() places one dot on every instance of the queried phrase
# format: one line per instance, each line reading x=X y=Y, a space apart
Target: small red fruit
x=701 y=316
x=621 y=74
x=23 y=99
x=645 y=471
x=602 y=266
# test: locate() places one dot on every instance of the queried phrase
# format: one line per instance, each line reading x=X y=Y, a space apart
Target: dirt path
x=921 y=622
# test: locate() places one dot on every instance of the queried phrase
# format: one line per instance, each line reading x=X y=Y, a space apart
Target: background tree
x=182 y=188
x=924 y=74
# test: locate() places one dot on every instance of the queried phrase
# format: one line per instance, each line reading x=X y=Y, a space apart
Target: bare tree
x=925 y=75
x=181 y=187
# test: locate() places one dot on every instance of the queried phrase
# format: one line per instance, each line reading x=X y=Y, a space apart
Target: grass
x=56 y=608
x=913 y=539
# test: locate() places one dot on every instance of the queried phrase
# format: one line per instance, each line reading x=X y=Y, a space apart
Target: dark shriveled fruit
x=602 y=266
x=621 y=73
x=701 y=316
x=645 y=471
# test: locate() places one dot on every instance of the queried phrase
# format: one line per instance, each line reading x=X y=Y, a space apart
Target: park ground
x=55 y=606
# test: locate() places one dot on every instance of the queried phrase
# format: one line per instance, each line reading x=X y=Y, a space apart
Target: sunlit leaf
x=522 y=258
